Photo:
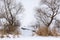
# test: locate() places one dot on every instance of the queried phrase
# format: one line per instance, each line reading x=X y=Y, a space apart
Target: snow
x=26 y=32
x=32 y=38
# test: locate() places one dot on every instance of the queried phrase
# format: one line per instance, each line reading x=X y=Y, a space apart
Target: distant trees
x=49 y=12
x=9 y=10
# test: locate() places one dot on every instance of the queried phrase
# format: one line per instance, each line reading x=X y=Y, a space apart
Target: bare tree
x=9 y=10
x=48 y=13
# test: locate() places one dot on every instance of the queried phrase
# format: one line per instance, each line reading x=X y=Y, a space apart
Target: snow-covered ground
x=32 y=38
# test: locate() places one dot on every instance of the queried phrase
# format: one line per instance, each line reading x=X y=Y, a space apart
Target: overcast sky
x=29 y=6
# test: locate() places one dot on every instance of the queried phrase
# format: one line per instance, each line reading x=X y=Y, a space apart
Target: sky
x=28 y=14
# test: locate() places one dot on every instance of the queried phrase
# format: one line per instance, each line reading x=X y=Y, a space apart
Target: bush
x=10 y=29
x=42 y=31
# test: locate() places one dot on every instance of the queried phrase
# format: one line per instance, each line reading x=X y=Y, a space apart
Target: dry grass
x=14 y=32
x=11 y=30
x=43 y=31
x=54 y=32
x=3 y=32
